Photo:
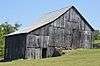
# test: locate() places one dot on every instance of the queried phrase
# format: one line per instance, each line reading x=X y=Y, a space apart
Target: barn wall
x=15 y=47
x=68 y=31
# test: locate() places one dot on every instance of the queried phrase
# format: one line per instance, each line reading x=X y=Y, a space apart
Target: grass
x=79 y=57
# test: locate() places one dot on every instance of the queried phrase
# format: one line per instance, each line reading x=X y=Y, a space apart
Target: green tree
x=6 y=28
x=97 y=35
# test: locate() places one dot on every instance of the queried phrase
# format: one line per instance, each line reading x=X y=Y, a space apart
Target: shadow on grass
x=55 y=54
x=3 y=60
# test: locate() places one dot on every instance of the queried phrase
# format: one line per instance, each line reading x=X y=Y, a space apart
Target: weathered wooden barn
x=63 y=28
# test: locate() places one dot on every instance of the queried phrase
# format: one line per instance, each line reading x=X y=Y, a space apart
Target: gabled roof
x=83 y=19
x=47 y=18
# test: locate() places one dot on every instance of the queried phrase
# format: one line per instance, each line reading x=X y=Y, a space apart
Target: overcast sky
x=26 y=11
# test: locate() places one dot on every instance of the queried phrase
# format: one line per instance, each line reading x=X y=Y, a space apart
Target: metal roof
x=45 y=19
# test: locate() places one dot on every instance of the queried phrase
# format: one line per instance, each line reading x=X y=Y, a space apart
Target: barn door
x=34 y=43
x=33 y=46
x=75 y=38
x=44 y=52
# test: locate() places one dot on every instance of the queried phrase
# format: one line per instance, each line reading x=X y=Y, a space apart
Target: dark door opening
x=44 y=52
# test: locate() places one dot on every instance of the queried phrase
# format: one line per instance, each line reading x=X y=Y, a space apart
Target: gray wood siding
x=68 y=31
x=15 y=47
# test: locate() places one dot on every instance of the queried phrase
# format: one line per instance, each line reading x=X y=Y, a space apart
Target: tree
x=6 y=28
x=97 y=35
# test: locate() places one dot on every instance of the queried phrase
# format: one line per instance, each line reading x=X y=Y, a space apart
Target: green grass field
x=79 y=57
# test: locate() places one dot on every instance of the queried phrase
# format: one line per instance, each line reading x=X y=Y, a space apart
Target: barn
x=64 y=28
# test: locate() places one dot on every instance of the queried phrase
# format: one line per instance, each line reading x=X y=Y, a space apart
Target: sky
x=26 y=11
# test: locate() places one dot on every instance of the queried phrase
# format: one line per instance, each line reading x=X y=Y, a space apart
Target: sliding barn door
x=33 y=47
x=75 y=35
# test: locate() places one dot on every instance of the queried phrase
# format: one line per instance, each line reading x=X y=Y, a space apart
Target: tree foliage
x=6 y=28
x=97 y=35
